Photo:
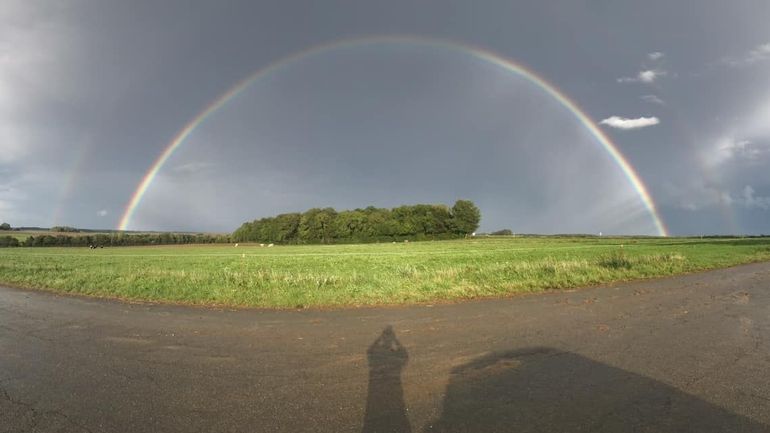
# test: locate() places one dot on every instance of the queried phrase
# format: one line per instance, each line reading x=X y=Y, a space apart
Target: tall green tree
x=465 y=217
x=317 y=225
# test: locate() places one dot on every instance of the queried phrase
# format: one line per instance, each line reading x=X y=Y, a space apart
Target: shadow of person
x=546 y=390
x=385 y=407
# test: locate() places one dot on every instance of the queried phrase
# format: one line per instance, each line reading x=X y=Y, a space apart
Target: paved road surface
x=682 y=354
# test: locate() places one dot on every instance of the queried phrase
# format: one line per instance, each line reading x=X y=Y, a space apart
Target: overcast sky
x=91 y=92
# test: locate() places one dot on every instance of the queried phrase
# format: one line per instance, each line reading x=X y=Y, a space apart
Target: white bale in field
x=270 y=245
x=261 y=245
x=236 y=244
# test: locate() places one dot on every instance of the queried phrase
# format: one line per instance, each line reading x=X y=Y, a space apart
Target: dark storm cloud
x=99 y=88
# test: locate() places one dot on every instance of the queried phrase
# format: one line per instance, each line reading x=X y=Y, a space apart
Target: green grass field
x=335 y=275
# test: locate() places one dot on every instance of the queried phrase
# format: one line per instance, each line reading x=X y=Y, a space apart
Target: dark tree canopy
x=5 y=226
x=122 y=239
x=503 y=232
x=371 y=224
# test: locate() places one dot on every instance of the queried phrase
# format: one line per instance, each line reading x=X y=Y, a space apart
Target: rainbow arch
x=476 y=52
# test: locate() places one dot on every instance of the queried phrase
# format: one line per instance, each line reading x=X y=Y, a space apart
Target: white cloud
x=757 y=54
x=699 y=196
x=626 y=123
x=736 y=149
x=102 y=213
x=652 y=99
x=647 y=76
x=742 y=148
x=655 y=55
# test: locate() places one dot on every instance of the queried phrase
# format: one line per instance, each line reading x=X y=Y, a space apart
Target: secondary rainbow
x=481 y=54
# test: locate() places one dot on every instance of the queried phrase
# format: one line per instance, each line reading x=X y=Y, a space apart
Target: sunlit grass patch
x=329 y=275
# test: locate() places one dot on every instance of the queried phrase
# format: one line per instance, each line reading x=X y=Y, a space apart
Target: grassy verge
x=302 y=276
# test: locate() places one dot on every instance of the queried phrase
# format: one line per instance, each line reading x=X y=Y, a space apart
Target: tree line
x=326 y=225
x=64 y=229
x=113 y=240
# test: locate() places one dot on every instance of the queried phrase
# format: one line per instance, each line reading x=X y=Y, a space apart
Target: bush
x=8 y=241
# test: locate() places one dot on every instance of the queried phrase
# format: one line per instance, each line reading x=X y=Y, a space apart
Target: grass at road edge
x=371 y=274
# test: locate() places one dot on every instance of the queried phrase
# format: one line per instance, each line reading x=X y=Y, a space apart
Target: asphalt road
x=689 y=353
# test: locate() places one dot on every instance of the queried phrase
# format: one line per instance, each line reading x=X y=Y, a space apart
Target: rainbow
x=478 y=53
x=69 y=186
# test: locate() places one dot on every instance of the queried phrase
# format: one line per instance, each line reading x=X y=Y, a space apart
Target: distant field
x=22 y=235
x=334 y=275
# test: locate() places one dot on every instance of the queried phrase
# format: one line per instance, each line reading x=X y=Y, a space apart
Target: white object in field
x=261 y=245
x=243 y=255
x=270 y=245
x=473 y=234
x=600 y=233
x=236 y=244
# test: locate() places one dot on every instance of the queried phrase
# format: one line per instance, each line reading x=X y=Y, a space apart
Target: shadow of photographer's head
x=386 y=354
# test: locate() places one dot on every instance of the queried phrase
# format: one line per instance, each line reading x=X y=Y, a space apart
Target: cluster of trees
x=5 y=226
x=64 y=229
x=416 y=222
x=503 y=232
x=121 y=239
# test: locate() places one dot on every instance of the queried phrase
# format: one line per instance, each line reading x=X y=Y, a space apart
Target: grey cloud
x=91 y=92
